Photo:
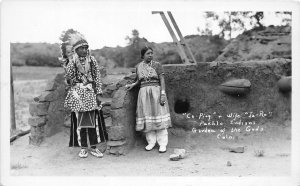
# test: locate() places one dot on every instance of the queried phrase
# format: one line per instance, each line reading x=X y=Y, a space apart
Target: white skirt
x=151 y=115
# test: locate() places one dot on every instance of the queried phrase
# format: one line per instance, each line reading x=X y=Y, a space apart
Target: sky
x=105 y=23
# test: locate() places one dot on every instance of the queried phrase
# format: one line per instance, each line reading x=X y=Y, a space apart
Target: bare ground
x=206 y=156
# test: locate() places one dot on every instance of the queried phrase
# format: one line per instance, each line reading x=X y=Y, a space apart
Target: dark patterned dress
x=83 y=76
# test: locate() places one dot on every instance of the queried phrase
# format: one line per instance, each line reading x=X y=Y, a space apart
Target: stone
x=118 y=99
x=237 y=149
x=236 y=86
x=131 y=76
x=50 y=85
x=234 y=90
x=180 y=152
x=107 y=102
x=60 y=92
x=106 y=116
x=108 y=122
x=116 y=133
x=38 y=109
x=36 y=140
x=285 y=84
x=37 y=121
x=118 y=116
x=57 y=105
x=111 y=87
x=102 y=147
x=109 y=90
x=229 y=164
x=56 y=117
x=122 y=83
x=58 y=80
x=174 y=157
x=116 y=143
x=120 y=150
x=106 y=94
x=106 y=110
x=130 y=100
x=133 y=70
x=37 y=131
x=46 y=96
x=67 y=122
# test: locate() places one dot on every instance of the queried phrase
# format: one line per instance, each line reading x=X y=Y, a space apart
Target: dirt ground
x=206 y=156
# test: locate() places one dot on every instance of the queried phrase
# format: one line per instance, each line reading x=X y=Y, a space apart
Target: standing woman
x=153 y=116
x=82 y=75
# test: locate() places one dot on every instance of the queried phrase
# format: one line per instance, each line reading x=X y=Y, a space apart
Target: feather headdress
x=71 y=41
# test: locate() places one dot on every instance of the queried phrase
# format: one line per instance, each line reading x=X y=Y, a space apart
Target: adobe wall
x=195 y=89
x=191 y=90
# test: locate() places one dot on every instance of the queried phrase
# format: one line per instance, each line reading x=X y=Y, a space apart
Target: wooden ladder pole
x=181 y=37
x=180 y=49
x=12 y=102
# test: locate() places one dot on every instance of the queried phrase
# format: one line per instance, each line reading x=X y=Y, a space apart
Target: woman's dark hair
x=144 y=50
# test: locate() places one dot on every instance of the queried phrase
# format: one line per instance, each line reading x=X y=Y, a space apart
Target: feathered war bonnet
x=71 y=40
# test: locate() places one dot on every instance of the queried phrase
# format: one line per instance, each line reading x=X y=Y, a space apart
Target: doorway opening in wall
x=181 y=106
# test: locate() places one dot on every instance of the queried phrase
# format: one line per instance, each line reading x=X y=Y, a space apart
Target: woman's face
x=148 y=56
x=82 y=51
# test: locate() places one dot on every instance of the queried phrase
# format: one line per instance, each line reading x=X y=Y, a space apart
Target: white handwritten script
x=224 y=126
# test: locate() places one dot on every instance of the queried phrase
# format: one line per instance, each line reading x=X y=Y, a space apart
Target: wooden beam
x=179 y=46
x=181 y=37
x=12 y=102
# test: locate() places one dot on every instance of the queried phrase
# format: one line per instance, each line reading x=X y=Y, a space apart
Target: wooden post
x=179 y=47
x=12 y=102
x=181 y=37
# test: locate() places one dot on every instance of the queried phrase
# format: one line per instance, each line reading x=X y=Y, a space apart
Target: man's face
x=82 y=51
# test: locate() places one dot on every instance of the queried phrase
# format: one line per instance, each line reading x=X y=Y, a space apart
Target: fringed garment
x=96 y=134
x=83 y=76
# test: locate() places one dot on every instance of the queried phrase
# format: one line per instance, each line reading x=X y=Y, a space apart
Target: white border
x=144 y=5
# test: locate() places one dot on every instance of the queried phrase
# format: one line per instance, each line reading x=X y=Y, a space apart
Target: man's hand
x=98 y=99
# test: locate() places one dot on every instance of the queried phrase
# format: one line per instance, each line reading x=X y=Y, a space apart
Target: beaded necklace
x=147 y=70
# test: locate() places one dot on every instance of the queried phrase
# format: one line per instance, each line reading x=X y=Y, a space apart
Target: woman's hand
x=129 y=86
x=163 y=99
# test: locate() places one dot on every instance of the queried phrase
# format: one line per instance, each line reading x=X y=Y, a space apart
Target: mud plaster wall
x=197 y=86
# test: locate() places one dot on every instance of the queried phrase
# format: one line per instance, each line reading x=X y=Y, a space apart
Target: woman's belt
x=149 y=82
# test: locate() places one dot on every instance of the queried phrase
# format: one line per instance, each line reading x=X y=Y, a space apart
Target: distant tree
x=258 y=16
x=134 y=37
x=235 y=21
x=206 y=31
x=35 y=54
x=132 y=53
x=286 y=17
x=225 y=23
